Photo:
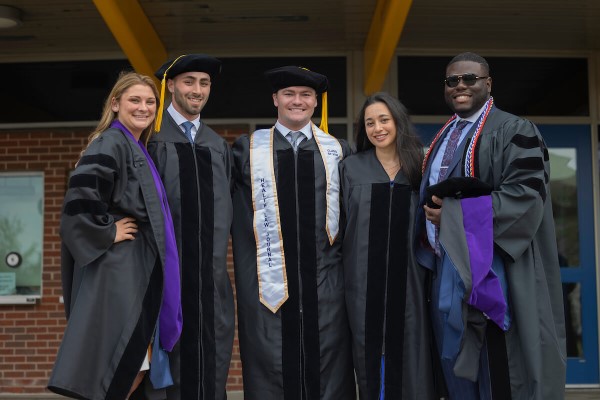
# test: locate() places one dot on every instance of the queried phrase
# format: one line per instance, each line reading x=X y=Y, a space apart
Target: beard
x=192 y=110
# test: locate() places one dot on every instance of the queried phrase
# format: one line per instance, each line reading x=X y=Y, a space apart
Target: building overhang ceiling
x=149 y=31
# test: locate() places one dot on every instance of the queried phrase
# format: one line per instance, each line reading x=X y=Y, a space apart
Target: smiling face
x=295 y=106
x=380 y=126
x=136 y=108
x=190 y=91
x=466 y=100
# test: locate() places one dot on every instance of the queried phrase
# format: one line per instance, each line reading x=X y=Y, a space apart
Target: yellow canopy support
x=134 y=33
x=387 y=24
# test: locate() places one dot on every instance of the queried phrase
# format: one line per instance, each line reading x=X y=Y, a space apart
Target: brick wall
x=30 y=334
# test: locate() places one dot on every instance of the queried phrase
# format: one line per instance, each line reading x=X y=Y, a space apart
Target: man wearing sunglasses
x=496 y=292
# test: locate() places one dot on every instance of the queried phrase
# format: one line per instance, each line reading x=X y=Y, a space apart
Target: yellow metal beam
x=386 y=25
x=134 y=33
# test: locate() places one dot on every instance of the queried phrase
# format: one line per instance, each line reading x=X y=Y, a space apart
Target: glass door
x=572 y=200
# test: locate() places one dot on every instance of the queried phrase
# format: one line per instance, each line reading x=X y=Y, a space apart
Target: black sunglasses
x=468 y=79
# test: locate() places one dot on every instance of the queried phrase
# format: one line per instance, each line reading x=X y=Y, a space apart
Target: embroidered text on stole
x=270 y=256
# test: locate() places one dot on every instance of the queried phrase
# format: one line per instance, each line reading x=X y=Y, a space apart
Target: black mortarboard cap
x=290 y=75
x=459 y=187
x=190 y=62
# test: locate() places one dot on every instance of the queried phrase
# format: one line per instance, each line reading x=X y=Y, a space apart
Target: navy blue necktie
x=451 y=148
x=187 y=125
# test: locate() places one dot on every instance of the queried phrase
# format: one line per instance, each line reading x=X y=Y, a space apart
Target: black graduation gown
x=112 y=292
x=197 y=182
x=385 y=287
x=288 y=353
x=513 y=159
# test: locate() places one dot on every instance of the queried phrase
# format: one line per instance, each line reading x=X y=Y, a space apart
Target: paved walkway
x=583 y=394
x=572 y=394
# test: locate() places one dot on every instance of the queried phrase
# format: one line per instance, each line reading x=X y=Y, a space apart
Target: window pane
x=21 y=233
x=339 y=131
x=563 y=185
x=241 y=91
x=572 y=301
x=76 y=90
x=57 y=91
x=521 y=85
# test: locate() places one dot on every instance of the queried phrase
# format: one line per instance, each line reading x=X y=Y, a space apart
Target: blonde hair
x=126 y=80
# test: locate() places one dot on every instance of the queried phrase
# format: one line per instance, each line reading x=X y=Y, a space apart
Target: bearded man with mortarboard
x=194 y=163
x=293 y=328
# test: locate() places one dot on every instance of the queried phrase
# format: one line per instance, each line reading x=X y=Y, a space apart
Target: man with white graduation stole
x=293 y=329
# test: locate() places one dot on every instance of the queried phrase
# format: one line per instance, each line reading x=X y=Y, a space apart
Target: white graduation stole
x=332 y=154
x=270 y=256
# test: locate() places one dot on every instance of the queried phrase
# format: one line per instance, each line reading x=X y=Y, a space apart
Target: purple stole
x=170 y=317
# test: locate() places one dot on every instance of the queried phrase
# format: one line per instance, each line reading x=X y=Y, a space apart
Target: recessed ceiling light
x=10 y=17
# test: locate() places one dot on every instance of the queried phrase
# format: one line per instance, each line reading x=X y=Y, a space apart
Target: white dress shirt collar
x=306 y=130
x=180 y=119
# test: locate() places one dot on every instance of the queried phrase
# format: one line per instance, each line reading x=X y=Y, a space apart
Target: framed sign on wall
x=21 y=236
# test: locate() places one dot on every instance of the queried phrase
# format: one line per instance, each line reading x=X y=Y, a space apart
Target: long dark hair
x=408 y=145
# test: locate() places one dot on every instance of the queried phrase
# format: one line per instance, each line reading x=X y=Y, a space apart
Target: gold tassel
x=161 y=105
x=324 y=126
